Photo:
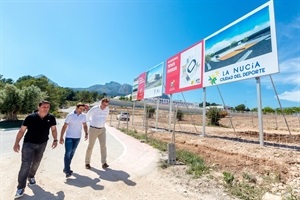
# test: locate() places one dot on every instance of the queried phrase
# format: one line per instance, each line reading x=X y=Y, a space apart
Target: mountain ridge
x=112 y=89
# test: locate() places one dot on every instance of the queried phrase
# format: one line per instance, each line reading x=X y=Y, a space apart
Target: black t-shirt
x=38 y=128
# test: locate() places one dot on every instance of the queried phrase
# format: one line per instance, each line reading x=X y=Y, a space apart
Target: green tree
x=101 y=96
x=32 y=95
x=84 y=96
x=150 y=111
x=122 y=98
x=254 y=109
x=208 y=104
x=289 y=110
x=214 y=115
x=4 y=81
x=70 y=94
x=10 y=102
x=240 y=107
x=179 y=115
x=53 y=92
x=247 y=109
x=95 y=95
x=14 y=101
x=268 y=110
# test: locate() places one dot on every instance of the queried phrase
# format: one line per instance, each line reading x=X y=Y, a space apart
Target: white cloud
x=289 y=72
x=288 y=40
x=288 y=80
x=293 y=96
x=290 y=29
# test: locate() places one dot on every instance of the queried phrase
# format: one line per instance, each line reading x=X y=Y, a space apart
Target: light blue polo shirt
x=75 y=123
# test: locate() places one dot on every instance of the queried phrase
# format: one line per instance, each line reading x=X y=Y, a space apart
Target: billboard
x=244 y=49
x=184 y=70
x=135 y=88
x=141 y=86
x=154 y=81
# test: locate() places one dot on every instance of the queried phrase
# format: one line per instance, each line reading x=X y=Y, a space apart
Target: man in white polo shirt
x=97 y=116
x=73 y=128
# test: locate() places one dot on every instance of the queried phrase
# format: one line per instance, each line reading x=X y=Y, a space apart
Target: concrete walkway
x=127 y=157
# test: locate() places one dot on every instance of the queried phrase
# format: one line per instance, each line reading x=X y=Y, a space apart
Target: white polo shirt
x=97 y=117
x=74 y=122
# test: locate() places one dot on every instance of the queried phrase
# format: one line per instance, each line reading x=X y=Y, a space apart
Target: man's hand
x=86 y=136
x=61 y=141
x=54 y=144
x=16 y=148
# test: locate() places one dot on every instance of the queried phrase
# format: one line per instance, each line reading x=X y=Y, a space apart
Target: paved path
x=124 y=154
x=133 y=173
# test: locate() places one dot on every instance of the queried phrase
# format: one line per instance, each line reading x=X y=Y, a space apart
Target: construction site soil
x=232 y=147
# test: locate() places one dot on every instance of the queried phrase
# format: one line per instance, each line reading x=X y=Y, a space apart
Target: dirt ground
x=275 y=165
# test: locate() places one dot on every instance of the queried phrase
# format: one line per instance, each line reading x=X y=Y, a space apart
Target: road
x=51 y=167
x=133 y=172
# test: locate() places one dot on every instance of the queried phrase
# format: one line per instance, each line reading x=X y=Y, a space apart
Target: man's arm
x=89 y=114
x=54 y=134
x=19 y=137
x=85 y=131
x=62 y=132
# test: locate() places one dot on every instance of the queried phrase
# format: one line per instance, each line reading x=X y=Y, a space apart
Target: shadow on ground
x=40 y=193
x=84 y=181
x=114 y=175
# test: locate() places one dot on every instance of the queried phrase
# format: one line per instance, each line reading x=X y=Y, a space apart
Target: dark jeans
x=32 y=155
x=70 y=146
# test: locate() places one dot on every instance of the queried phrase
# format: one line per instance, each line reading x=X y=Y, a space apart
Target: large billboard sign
x=135 y=88
x=244 y=49
x=184 y=70
x=154 y=81
x=141 y=86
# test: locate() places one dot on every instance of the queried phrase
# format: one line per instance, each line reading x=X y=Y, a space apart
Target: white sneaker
x=19 y=193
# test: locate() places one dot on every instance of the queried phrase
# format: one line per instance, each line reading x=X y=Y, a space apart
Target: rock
x=269 y=196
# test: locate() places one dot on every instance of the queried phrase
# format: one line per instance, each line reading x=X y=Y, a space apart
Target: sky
x=78 y=43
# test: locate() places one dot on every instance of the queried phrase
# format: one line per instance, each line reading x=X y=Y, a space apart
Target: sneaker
x=69 y=174
x=19 y=193
x=66 y=171
x=105 y=165
x=88 y=166
x=31 y=181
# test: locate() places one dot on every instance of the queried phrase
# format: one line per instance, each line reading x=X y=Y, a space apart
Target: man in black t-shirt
x=35 y=141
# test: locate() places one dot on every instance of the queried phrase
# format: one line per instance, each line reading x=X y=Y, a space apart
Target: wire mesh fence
x=236 y=150
x=243 y=127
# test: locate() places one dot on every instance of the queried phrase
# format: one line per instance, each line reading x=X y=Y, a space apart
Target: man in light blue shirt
x=73 y=128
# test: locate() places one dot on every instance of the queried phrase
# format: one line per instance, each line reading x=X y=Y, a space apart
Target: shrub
x=179 y=115
x=228 y=178
x=214 y=115
x=150 y=111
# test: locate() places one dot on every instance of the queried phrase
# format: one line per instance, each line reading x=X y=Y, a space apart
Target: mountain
x=50 y=81
x=112 y=89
